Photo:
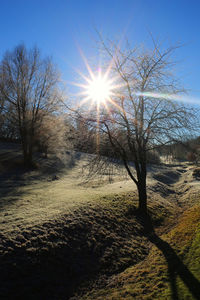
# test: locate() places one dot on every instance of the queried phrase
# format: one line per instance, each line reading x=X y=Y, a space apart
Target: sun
x=99 y=89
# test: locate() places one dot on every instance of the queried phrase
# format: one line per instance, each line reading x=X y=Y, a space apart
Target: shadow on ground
x=176 y=267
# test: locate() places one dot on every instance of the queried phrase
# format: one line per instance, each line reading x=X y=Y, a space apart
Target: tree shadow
x=175 y=265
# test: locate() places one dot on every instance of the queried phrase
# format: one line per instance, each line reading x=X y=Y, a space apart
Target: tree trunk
x=142 y=193
x=27 y=152
x=30 y=157
x=28 y=161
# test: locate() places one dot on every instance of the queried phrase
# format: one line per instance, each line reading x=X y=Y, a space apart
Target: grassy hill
x=64 y=237
x=170 y=271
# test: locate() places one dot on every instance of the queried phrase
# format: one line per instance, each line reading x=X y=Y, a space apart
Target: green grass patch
x=170 y=271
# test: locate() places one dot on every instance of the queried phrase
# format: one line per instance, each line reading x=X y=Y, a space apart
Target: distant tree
x=51 y=135
x=141 y=116
x=8 y=129
x=28 y=85
x=84 y=135
x=2 y=116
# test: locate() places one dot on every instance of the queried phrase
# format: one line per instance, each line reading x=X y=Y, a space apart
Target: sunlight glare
x=99 y=89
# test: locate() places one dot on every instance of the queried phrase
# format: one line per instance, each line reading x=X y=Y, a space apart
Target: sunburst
x=99 y=89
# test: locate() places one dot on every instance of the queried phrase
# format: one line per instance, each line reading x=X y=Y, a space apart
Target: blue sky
x=60 y=27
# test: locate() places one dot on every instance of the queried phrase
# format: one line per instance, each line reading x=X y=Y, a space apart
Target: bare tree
x=51 y=135
x=2 y=116
x=29 y=84
x=141 y=116
x=83 y=132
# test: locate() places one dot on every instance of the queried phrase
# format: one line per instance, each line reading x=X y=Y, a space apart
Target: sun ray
x=100 y=89
x=86 y=64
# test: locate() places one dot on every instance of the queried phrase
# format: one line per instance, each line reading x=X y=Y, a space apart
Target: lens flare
x=99 y=89
x=105 y=94
x=173 y=97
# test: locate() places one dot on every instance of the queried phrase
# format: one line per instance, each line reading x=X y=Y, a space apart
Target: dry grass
x=63 y=237
x=154 y=277
x=98 y=238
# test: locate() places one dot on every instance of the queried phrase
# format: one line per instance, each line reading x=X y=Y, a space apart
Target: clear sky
x=60 y=27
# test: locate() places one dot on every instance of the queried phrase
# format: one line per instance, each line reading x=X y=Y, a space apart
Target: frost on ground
x=60 y=230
